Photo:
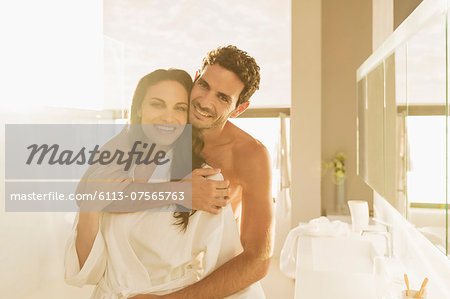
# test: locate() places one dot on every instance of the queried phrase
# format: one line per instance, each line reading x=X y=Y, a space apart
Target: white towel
x=319 y=227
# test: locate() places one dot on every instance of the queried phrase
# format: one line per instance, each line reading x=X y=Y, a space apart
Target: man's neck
x=216 y=136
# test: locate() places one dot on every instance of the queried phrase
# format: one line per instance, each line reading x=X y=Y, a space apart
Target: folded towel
x=319 y=227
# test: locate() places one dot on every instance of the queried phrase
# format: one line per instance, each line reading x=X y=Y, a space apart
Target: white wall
x=382 y=20
x=306 y=110
x=32 y=244
x=346 y=43
x=51 y=55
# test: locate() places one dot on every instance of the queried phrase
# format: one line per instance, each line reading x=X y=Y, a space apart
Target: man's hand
x=209 y=195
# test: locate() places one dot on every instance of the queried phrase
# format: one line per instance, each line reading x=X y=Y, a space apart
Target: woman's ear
x=241 y=108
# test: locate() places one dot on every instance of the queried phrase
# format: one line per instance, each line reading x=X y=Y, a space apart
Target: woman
x=127 y=254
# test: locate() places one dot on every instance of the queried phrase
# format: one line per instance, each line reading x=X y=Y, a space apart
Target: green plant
x=338 y=165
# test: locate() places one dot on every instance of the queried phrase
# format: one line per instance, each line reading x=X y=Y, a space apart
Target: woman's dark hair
x=181 y=156
x=154 y=78
x=182 y=218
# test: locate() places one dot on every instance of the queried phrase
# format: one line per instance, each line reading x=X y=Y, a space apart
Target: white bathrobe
x=143 y=252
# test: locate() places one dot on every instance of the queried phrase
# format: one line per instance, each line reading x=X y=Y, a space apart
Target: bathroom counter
x=346 y=267
x=338 y=268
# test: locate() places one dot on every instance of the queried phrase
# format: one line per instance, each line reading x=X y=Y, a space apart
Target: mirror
x=370 y=128
x=361 y=131
x=426 y=86
x=402 y=125
x=375 y=111
x=395 y=129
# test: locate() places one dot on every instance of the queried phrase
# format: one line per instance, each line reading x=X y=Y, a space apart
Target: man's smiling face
x=214 y=97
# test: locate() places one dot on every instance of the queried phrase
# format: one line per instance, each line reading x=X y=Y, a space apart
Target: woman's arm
x=87 y=229
x=85 y=255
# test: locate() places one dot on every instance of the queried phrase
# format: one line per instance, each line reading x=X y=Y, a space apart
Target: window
x=426 y=176
x=267 y=131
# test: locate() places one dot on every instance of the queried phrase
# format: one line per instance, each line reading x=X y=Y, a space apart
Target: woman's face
x=164 y=109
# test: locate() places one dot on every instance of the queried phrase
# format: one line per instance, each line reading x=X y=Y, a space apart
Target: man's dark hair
x=240 y=63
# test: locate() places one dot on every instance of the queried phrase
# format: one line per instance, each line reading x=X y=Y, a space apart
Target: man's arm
x=256 y=232
x=200 y=193
x=112 y=179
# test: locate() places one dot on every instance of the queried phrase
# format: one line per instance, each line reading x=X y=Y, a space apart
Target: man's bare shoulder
x=248 y=152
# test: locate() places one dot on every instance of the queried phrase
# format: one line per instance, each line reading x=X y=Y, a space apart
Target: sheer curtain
x=283 y=196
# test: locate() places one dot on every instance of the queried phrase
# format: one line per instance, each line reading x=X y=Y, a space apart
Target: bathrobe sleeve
x=98 y=178
x=95 y=265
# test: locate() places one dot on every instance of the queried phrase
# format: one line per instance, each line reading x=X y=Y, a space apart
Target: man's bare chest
x=223 y=159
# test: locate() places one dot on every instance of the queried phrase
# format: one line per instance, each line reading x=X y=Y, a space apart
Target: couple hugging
x=222 y=247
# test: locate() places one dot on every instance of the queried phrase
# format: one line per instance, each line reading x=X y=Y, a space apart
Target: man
x=222 y=89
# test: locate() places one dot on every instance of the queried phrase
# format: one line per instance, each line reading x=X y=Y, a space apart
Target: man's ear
x=241 y=108
x=197 y=74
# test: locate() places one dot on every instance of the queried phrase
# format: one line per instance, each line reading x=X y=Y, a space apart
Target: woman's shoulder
x=118 y=142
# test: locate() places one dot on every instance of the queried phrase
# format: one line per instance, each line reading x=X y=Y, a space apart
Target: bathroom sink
x=342 y=255
x=335 y=268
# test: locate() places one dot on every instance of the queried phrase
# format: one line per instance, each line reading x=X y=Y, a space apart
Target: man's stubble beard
x=215 y=124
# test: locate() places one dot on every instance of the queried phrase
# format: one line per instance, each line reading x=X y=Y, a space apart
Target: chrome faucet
x=386 y=234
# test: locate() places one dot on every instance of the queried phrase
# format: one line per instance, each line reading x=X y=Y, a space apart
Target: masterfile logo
x=54 y=167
